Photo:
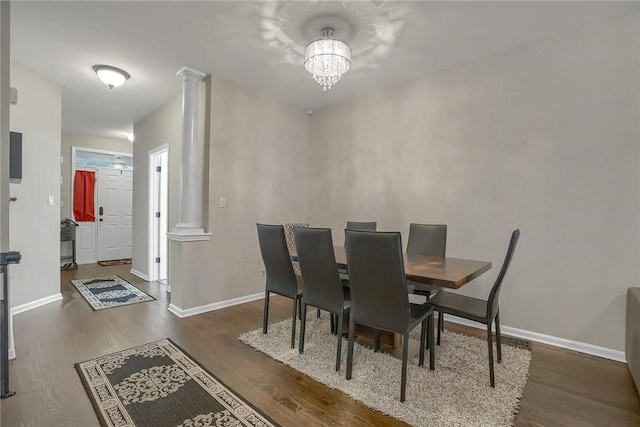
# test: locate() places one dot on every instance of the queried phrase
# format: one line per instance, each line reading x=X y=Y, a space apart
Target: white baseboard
x=21 y=309
x=215 y=306
x=578 y=346
x=35 y=304
x=139 y=274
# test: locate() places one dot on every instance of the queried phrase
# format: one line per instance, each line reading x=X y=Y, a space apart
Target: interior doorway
x=104 y=229
x=158 y=212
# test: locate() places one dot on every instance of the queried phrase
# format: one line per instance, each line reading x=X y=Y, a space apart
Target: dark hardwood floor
x=564 y=388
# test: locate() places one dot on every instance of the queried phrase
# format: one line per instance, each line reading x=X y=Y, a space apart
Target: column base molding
x=177 y=236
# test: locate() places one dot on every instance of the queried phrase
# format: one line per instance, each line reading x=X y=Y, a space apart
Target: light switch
x=50 y=200
x=223 y=202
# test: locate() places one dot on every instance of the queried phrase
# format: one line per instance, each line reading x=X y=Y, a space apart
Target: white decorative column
x=188 y=238
x=189 y=227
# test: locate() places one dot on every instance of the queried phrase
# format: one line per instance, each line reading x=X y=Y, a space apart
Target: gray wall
x=86 y=141
x=258 y=160
x=163 y=126
x=259 y=163
x=544 y=138
x=34 y=225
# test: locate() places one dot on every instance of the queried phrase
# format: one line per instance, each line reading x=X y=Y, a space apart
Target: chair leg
x=318 y=316
x=333 y=323
x=299 y=309
x=490 y=342
x=339 y=351
x=266 y=312
x=432 y=347
x=376 y=345
x=498 y=337
x=303 y=324
x=403 y=381
x=423 y=334
x=293 y=322
x=440 y=324
x=352 y=332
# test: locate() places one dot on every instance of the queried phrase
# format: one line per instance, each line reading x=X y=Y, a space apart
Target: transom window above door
x=103 y=160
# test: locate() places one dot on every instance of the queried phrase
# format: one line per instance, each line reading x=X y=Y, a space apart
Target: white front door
x=114 y=214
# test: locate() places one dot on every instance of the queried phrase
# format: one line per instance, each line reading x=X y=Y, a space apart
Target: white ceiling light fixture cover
x=118 y=163
x=111 y=76
x=327 y=59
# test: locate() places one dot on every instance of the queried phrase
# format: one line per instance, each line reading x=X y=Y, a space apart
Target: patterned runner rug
x=108 y=292
x=158 y=385
x=456 y=393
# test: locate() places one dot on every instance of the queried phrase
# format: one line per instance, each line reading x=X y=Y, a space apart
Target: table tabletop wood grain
x=428 y=273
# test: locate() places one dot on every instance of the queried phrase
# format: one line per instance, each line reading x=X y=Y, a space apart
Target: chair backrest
x=377 y=279
x=322 y=284
x=277 y=261
x=427 y=240
x=363 y=226
x=492 y=303
x=288 y=233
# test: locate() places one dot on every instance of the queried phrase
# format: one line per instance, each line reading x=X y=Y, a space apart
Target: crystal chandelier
x=327 y=59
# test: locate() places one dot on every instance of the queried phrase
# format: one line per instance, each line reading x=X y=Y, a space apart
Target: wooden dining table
x=427 y=273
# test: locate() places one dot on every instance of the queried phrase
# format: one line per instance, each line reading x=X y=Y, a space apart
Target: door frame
x=153 y=243
x=74 y=149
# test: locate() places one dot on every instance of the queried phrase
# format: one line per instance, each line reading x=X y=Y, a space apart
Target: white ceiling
x=261 y=45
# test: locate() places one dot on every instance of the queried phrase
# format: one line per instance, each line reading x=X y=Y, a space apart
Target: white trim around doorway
x=153 y=274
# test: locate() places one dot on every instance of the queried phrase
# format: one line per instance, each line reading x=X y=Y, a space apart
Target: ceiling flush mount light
x=118 y=163
x=327 y=59
x=111 y=76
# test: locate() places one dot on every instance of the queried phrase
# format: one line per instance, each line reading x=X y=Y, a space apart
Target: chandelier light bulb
x=327 y=59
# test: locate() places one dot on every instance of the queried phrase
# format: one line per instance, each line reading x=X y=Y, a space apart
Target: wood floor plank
x=564 y=389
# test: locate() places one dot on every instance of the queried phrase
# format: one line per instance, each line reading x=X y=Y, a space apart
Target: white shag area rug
x=457 y=393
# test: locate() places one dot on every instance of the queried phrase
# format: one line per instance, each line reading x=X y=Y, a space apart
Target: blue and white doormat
x=108 y=292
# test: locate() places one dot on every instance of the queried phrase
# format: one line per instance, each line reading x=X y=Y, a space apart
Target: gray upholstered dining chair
x=478 y=310
x=363 y=226
x=357 y=225
x=280 y=278
x=291 y=244
x=379 y=296
x=427 y=240
x=291 y=241
x=322 y=285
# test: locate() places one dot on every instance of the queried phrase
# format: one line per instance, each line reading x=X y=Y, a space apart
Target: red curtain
x=83 y=197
